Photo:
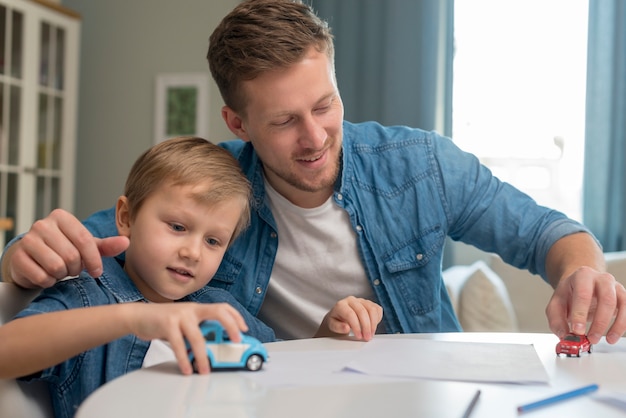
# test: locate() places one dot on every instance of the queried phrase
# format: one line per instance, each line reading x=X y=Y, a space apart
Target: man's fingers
x=366 y=321
x=112 y=246
x=588 y=297
x=37 y=261
x=58 y=244
x=582 y=296
x=374 y=315
x=618 y=328
x=556 y=311
x=606 y=301
x=363 y=317
x=104 y=247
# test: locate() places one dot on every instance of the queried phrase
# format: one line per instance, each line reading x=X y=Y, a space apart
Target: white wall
x=124 y=45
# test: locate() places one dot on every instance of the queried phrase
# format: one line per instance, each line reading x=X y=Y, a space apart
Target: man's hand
x=587 y=296
x=359 y=315
x=56 y=247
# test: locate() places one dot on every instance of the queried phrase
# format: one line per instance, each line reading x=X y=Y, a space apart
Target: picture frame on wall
x=181 y=105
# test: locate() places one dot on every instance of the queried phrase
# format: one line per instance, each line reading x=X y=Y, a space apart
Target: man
x=346 y=209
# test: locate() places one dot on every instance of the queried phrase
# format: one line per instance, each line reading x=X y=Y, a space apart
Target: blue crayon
x=558 y=398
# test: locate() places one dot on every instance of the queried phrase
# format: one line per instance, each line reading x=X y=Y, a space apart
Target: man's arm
x=56 y=247
x=584 y=291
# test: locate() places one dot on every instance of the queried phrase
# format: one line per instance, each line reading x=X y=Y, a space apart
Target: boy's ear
x=234 y=123
x=122 y=216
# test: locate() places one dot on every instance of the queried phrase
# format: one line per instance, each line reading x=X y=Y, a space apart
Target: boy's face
x=176 y=242
x=293 y=117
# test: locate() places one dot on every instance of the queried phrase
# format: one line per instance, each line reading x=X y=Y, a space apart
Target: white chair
x=19 y=399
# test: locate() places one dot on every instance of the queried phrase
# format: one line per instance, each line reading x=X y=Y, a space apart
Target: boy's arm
x=64 y=334
x=361 y=316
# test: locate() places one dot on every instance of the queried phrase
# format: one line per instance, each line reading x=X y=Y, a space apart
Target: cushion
x=454 y=278
x=484 y=303
x=529 y=295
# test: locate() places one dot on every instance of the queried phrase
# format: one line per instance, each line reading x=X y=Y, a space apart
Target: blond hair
x=260 y=36
x=185 y=161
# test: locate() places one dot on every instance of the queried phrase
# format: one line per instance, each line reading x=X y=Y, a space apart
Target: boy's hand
x=359 y=315
x=177 y=322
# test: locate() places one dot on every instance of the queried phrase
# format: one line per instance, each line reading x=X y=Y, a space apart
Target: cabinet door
x=38 y=89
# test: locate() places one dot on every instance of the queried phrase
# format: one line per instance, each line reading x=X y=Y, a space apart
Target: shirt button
x=258 y=290
x=339 y=196
x=376 y=282
x=273 y=234
x=359 y=228
x=419 y=257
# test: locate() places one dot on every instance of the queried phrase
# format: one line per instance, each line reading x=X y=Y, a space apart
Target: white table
x=161 y=391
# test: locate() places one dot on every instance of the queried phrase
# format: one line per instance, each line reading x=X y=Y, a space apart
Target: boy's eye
x=212 y=241
x=178 y=228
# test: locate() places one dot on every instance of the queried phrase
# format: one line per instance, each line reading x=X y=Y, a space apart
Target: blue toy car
x=225 y=354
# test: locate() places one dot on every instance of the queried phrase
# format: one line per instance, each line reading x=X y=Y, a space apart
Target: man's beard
x=307 y=186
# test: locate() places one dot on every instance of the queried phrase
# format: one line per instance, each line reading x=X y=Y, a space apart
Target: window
x=519 y=93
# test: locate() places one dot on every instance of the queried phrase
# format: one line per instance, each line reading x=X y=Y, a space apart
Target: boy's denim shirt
x=72 y=381
x=405 y=190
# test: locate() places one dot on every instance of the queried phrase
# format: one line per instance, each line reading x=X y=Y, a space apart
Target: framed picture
x=181 y=105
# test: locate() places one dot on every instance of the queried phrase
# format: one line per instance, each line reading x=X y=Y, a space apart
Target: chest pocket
x=414 y=272
x=416 y=253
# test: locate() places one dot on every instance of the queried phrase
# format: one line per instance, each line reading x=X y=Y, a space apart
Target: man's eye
x=281 y=122
x=322 y=109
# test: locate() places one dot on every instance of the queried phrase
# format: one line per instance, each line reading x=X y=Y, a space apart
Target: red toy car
x=573 y=345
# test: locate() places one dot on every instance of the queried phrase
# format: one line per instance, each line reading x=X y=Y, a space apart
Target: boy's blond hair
x=189 y=161
x=260 y=36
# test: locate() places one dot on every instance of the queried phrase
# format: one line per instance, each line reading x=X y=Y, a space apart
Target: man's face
x=294 y=121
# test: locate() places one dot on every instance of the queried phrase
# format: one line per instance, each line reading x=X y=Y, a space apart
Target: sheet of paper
x=447 y=360
x=311 y=368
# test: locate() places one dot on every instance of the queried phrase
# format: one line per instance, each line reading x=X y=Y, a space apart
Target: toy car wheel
x=590 y=349
x=254 y=362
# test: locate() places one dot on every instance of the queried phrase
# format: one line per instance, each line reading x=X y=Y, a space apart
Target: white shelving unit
x=39 y=48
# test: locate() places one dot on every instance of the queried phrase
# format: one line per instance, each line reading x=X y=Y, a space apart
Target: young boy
x=185 y=202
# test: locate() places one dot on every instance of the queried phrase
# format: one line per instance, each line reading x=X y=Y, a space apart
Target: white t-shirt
x=317 y=265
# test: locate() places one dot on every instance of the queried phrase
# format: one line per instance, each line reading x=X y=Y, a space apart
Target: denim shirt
x=405 y=190
x=72 y=381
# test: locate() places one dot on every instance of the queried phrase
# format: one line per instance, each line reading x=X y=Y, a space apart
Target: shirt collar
x=116 y=281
